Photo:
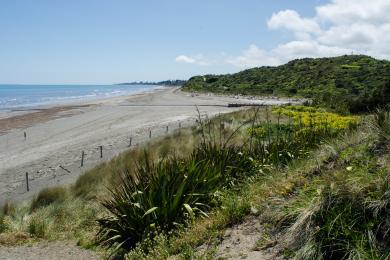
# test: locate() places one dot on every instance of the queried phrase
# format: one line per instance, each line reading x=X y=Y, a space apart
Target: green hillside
x=356 y=82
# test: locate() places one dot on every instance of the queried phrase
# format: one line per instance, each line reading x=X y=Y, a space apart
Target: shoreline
x=51 y=152
x=21 y=110
x=23 y=118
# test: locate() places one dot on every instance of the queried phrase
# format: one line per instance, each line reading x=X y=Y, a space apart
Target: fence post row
x=101 y=150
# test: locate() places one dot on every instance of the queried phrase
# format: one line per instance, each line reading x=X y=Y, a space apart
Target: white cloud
x=352 y=11
x=354 y=35
x=197 y=59
x=251 y=57
x=291 y=20
x=255 y=56
x=337 y=28
x=303 y=49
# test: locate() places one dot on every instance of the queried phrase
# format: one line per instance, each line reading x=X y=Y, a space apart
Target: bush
x=48 y=196
x=345 y=223
x=157 y=196
x=8 y=208
x=164 y=195
x=3 y=225
x=382 y=124
x=37 y=226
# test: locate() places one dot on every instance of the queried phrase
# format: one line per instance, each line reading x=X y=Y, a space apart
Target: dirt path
x=246 y=240
x=47 y=251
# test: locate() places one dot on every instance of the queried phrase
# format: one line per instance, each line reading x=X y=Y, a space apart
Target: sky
x=112 y=41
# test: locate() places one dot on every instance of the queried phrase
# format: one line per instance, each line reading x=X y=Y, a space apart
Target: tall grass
x=344 y=224
x=381 y=124
x=48 y=196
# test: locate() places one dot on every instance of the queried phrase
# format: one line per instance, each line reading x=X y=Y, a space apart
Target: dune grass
x=48 y=196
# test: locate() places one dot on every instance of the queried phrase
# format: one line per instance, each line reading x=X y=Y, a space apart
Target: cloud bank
x=339 y=27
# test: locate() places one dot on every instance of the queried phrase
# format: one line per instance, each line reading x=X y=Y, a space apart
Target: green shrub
x=349 y=83
x=48 y=196
x=8 y=208
x=87 y=183
x=37 y=226
x=3 y=225
x=235 y=209
x=157 y=196
x=382 y=124
x=232 y=162
x=164 y=195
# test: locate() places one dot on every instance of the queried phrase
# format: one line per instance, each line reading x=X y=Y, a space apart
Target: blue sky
x=102 y=41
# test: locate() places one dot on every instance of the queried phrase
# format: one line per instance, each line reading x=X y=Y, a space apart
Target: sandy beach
x=56 y=137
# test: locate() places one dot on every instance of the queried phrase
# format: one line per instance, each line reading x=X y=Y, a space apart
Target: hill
x=355 y=82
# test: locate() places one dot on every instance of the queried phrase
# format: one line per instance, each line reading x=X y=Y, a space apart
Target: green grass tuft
x=48 y=196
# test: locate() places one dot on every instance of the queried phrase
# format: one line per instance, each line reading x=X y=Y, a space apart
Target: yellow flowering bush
x=315 y=119
x=259 y=131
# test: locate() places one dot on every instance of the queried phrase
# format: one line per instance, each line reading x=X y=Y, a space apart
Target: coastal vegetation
x=314 y=176
x=179 y=192
x=350 y=83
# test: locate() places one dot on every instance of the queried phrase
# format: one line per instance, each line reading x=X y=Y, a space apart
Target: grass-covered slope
x=357 y=82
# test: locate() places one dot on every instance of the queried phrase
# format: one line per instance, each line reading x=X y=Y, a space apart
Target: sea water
x=15 y=97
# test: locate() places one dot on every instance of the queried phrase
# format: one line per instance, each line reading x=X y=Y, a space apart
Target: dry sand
x=57 y=136
x=63 y=250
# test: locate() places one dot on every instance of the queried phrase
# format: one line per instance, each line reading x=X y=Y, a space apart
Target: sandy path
x=47 y=251
x=52 y=151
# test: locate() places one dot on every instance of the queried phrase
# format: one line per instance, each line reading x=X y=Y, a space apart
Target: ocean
x=15 y=97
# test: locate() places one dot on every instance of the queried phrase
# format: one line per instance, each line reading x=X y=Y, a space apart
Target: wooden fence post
x=130 y=140
x=82 y=158
x=28 y=187
x=150 y=134
x=166 y=130
x=101 y=151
